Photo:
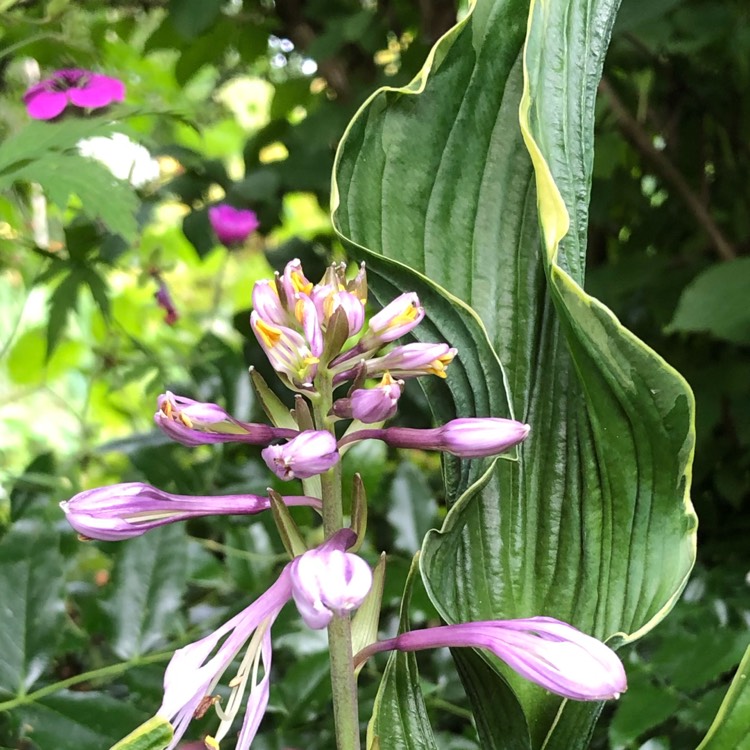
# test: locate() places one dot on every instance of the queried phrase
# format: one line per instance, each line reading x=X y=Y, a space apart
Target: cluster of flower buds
x=317 y=339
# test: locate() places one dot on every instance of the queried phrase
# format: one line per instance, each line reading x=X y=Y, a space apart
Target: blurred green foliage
x=246 y=101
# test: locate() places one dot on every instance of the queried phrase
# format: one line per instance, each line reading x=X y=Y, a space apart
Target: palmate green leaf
x=593 y=524
x=731 y=727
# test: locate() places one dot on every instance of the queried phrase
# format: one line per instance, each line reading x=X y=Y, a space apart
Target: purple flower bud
x=267 y=304
x=231 y=225
x=311 y=452
x=396 y=319
x=82 y=88
x=328 y=581
x=195 y=423
x=307 y=316
x=122 y=511
x=411 y=360
x=294 y=281
x=546 y=651
x=352 y=306
x=467 y=437
x=287 y=351
x=377 y=404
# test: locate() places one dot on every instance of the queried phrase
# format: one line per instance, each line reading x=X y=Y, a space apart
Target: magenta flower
x=81 y=88
x=546 y=651
x=232 y=225
x=328 y=580
x=121 y=511
x=467 y=437
x=311 y=452
x=195 y=423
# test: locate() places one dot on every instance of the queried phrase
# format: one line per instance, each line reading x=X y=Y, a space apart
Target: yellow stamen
x=210 y=743
x=185 y=420
x=270 y=334
x=387 y=379
x=406 y=316
x=300 y=283
x=299 y=310
x=166 y=409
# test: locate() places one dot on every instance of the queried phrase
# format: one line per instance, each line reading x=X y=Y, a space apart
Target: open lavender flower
x=231 y=225
x=121 y=511
x=546 y=651
x=320 y=581
x=81 y=88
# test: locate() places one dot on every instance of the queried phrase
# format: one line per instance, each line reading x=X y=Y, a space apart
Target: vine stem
x=343 y=681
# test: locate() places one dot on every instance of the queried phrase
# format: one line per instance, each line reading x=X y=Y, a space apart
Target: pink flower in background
x=232 y=225
x=81 y=88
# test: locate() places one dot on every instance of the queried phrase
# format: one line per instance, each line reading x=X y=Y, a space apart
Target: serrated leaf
x=593 y=524
x=148 y=580
x=31 y=604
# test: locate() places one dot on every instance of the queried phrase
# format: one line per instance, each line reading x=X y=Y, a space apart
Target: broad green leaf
x=70 y=720
x=593 y=524
x=716 y=302
x=399 y=718
x=731 y=727
x=148 y=582
x=412 y=508
x=31 y=603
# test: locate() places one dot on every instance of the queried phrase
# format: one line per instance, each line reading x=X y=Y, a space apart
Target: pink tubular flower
x=397 y=318
x=122 y=511
x=287 y=351
x=267 y=304
x=371 y=405
x=546 y=651
x=325 y=580
x=231 y=225
x=311 y=452
x=467 y=437
x=191 y=676
x=82 y=88
x=328 y=580
x=195 y=423
x=165 y=301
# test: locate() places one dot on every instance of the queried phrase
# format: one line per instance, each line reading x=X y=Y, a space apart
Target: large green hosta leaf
x=443 y=179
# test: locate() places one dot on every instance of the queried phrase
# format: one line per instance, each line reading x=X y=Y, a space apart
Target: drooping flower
x=546 y=651
x=81 y=88
x=126 y=159
x=466 y=437
x=192 y=674
x=311 y=452
x=122 y=511
x=231 y=225
x=328 y=580
x=195 y=423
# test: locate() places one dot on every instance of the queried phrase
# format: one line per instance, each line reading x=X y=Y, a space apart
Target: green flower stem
x=343 y=682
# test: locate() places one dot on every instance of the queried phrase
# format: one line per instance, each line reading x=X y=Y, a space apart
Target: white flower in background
x=126 y=159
